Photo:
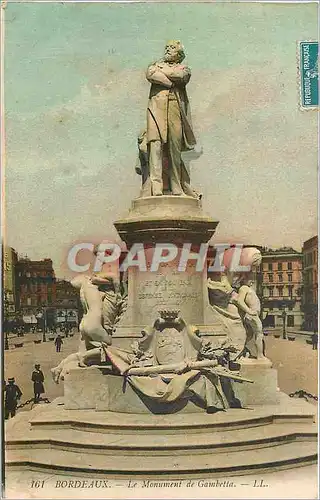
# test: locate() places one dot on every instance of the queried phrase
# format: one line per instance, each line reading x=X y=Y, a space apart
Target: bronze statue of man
x=169 y=129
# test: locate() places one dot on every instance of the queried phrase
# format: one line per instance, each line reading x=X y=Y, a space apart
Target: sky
x=76 y=97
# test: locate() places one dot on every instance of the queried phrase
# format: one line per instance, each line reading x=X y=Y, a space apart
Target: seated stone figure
x=103 y=305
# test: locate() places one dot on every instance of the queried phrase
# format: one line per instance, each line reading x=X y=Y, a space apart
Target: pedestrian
x=37 y=379
x=58 y=342
x=314 y=339
x=13 y=394
x=4 y=385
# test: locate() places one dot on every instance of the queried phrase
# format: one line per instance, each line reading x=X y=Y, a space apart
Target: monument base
x=98 y=389
x=106 y=392
x=113 y=445
x=264 y=390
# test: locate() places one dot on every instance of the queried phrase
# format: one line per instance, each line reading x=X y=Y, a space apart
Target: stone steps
x=170 y=466
x=165 y=444
x=121 y=423
x=55 y=440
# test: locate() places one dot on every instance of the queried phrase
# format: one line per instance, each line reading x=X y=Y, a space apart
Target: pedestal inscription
x=167 y=287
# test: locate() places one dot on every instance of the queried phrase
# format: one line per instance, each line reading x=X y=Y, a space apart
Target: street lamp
x=6 y=340
x=65 y=323
x=44 y=324
x=284 y=316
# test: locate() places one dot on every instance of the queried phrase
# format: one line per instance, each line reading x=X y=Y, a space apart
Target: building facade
x=68 y=308
x=9 y=266
x=282 y=285
x=37 y=291
x=310 y=283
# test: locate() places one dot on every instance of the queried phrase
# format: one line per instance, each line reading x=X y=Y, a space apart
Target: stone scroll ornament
x=171 y=362
x=103 y=307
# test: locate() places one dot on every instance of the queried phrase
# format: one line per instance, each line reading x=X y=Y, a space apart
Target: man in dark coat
x=314 y=339
x=37 y=379
x=58 y=343
x=169 y=126
x=12 y=395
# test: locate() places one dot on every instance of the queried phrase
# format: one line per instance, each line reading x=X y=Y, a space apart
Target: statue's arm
x=155 y=75
x=240 y=301
x=177 y=74
x=99 y=280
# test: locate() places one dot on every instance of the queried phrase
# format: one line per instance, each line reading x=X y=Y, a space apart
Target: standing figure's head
x=37 y=367
x=11 y=380
x=244 y=278
x=174 y=51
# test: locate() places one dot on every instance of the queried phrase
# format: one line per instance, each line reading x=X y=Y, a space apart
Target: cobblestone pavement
x=19 y=363
x=296 y=362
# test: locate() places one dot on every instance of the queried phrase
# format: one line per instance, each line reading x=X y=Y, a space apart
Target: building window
x=289 y=266
x=270 y=266
x=290 y=291
x=270 y=278
x=279 y=266
x=280 y=277
x=289 y=277
x=280 y=291
x=270 y=308
x=271 y=291
x=28 y=301
x=290 y=320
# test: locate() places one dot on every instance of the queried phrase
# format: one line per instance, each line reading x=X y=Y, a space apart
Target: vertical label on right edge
x=309 y=74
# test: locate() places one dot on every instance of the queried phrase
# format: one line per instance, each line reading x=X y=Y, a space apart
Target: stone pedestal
x=96 y=389
x=167 y=220
x=264 y=390
x=85 y=388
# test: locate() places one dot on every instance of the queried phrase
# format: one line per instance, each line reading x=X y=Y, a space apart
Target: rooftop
x=286 y=251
